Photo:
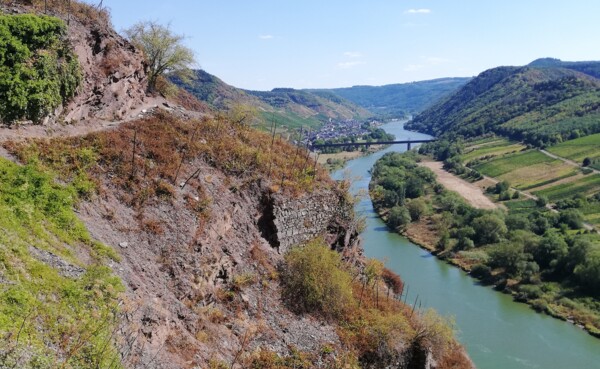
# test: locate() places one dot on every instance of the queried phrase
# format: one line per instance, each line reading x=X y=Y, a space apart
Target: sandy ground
x=468 y=191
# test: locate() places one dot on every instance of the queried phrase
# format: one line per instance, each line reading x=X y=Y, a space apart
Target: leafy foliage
x=531 y=245
x=163 y=50
x=315 y=281
x=38 y=70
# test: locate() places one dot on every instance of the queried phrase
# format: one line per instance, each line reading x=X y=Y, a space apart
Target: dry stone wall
x=299 y=220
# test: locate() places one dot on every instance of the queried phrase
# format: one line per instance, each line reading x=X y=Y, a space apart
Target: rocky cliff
x=185 y=223
x=113 y=85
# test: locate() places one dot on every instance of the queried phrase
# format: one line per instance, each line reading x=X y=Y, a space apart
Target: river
x=497 y=332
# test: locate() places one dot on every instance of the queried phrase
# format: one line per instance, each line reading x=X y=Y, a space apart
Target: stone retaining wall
x=299 y=220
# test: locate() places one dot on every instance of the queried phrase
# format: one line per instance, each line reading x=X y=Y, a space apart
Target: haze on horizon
x=263 y=44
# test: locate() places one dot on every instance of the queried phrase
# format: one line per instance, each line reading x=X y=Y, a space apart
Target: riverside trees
x=545 y=255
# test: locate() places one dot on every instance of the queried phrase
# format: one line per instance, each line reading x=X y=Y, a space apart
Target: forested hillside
x=542 y=104
x=290 y=108
x=397 y=100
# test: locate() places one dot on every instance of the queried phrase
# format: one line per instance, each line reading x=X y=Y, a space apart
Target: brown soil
x=467 y=190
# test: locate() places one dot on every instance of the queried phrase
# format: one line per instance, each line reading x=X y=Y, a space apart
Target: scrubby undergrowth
x=50 y=317
x=149 y=156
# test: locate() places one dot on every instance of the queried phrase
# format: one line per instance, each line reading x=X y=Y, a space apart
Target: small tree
x=587 y=162
x=399 y=217
x=163 y=51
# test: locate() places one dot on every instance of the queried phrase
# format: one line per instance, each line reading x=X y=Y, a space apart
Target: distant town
x=341 y=129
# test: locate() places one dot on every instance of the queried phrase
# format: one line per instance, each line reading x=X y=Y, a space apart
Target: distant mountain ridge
x=542 y=103
x=290 y=108
x=399 y=99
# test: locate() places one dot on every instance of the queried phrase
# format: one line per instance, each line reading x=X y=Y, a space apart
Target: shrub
x=417 y=208
x=315 y=281
x=393 y=281
x=399 y=217
x=38 y=70
x=481 y=271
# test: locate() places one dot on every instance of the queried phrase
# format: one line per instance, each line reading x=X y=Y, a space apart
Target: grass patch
x=58 y=321
x=524 y=207
x=164 y=148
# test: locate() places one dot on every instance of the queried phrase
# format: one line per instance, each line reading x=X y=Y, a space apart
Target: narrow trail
x=31 y=131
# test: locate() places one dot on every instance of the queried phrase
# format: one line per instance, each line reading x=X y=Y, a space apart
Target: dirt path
x=570 y=162
x=468 y=191
x=29 y=131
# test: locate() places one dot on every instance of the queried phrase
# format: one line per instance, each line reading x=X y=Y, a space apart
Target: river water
x=497 y=332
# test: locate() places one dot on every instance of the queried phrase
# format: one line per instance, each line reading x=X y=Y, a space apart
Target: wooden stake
x=133 y=153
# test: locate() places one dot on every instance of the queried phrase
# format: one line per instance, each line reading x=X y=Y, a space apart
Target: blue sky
x=262 y=44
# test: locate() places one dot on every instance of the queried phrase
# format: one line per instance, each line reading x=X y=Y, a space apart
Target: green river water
x=497 y=332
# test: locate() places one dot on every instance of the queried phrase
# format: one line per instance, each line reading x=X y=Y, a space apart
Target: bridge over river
x=408 y=142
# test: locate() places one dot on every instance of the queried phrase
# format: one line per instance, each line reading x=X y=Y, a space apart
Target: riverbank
x=449 y=228
x=497 y=332
x=338 y=160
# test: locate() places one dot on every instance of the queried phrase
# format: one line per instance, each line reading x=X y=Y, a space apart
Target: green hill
x=400 y=99
x=290 y=108
x=543 y=103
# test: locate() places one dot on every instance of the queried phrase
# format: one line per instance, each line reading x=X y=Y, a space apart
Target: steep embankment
x=160 y=242
x=112 y=85
x=540 y=105
x=200 y=215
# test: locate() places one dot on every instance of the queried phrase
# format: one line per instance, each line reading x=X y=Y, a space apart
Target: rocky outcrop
x=114 y=79
x=114 y=74
x=203 y=285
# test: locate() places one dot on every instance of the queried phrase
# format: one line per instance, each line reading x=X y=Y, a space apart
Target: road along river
x=497 y=332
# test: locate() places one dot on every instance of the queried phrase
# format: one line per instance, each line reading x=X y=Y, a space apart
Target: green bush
x=399 y=217
x=315 y=281
x=38 y=70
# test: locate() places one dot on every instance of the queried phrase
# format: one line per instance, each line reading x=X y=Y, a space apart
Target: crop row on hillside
x=493 y=148
x=578 y=149
x=586 y=186
x=526 y=170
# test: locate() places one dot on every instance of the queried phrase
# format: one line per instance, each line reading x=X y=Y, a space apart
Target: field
x=490 y=147
x=591 y=214
x=579 y=149
x=522 y=207
x=526 y=170
x=587 y=186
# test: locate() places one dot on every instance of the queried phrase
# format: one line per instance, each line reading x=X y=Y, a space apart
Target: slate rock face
x=64 y=268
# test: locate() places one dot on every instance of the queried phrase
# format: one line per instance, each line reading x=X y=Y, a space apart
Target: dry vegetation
x=375 y=326
x=149 y=157
x=85 y=13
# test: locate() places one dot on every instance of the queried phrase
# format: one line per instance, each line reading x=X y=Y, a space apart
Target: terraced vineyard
x=527 y=169
x=486 y=148
x=579 y=149
x=588 y=185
